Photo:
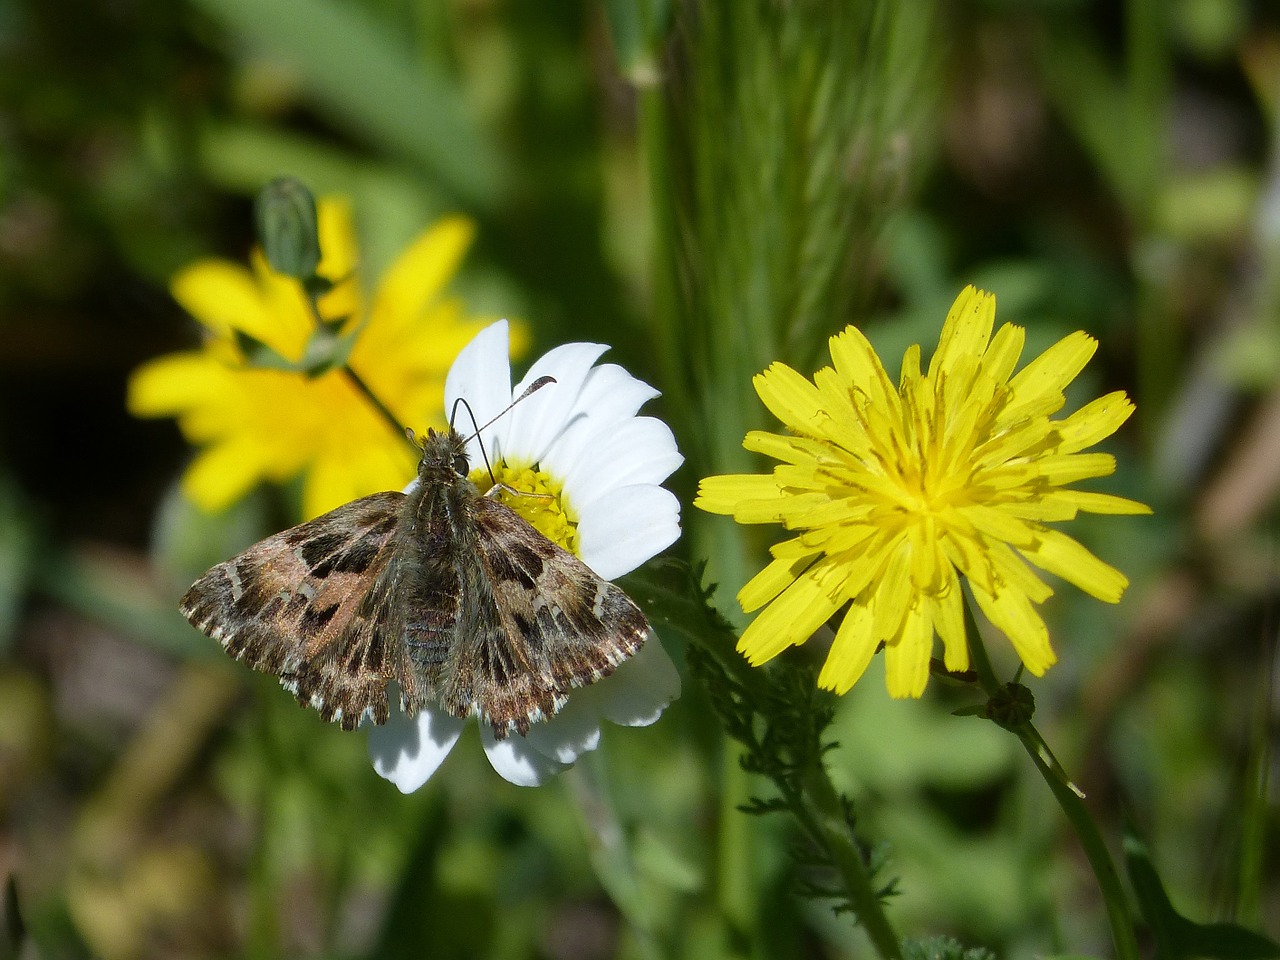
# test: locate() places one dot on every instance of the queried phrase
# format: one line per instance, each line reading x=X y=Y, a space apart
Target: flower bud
x=286 y=215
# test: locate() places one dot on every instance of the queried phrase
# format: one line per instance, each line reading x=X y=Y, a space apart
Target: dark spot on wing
x=316 y=618
x=526 y=627
x=518 y=564
x=314 y=550
x=355 y=559
x=383 y=527
x=359 y=557
x=494 y=664
x=375 y=652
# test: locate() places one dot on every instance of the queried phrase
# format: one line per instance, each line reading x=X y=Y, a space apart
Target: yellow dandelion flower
x=897 y=492
x=258 y=424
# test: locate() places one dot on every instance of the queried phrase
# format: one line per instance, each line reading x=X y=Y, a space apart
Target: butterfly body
x=445 y=591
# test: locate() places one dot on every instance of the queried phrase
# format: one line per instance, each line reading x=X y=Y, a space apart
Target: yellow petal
x=1025 y=438
x=225 y=297
x=421 y=273
x=722 y=494
x=1071 y=467
x=893 y=591
x=910 y=372
x=1094 y=421
x=858 y=365
x=222 y=474
x=773 y=579
x=999 y=524
x=169 y=385
x=1012 y=572
x=907 y=657
x=966 y=331
x=1014 y=615
x=1044 y=508
x=1101 y=503
x=786 y=449
x=843 y=426
x=793 y=617
x=328 y=484
x=1048 y=374
x=948 y=620
x=790 y=397
x=335 y=227
x=851 y=651
x=1061 y=555
x=1002 y=356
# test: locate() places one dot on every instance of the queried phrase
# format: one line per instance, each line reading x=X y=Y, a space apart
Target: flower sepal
x=1013 y=707
x=326 y=349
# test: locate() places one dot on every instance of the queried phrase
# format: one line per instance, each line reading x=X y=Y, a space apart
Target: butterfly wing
x=550 y=624
x=315 y=605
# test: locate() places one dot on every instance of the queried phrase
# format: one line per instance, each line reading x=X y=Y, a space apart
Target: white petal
x=626 y=527
x=536 y=422
x=408 y=751
x=481 y=375
x=638 y=450
x=570 y=733
x=611 y=393
x=637 y=692
x=516 y=760
x=648 y=683
x=609 y=396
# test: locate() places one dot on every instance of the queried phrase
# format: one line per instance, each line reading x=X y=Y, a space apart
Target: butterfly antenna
x=461 y=401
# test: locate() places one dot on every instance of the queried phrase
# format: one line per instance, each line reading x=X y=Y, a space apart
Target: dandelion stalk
x=383 y=411
x=1068 y=796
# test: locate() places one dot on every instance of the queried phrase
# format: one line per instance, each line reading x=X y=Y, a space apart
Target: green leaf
x=18 y=543
x=1175 y=935
x=13 y=934
x=326 y=350
x=638 y=28
x=943 y=948
x=371 y=81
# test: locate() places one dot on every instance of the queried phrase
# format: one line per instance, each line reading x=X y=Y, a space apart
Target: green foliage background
x=707 y=186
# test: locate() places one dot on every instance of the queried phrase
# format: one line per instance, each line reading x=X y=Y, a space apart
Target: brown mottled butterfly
x=446 y=591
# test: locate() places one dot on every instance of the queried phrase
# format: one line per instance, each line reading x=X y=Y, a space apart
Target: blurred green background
x=706 y=186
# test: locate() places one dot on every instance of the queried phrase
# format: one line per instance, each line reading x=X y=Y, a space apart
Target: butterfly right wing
x=534 y=623
x=314 y=605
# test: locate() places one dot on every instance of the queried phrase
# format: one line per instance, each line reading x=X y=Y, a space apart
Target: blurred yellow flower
x=897 y=491
x=259 y=424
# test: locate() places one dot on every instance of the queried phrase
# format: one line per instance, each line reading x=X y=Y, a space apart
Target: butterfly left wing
x=558 y=625
x=312 y=606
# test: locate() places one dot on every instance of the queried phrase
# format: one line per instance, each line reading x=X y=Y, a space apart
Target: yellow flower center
x=538 y=497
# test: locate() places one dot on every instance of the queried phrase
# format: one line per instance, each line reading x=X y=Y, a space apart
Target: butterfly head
x=444 y=455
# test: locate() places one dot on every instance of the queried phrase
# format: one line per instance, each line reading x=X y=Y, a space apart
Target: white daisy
x=580 y=440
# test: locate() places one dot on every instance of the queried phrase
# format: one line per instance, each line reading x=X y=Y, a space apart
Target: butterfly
x=444 y=590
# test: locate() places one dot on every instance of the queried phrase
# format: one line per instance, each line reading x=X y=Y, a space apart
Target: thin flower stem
x=357 y=381
x=378 y=405
x=1069 y=799
x=822 y=815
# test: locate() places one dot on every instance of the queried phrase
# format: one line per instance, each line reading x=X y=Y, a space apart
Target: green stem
x=1069 y=799
x=357 y=381
x=821 y=814
x=378 y=405
x=735 y=856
